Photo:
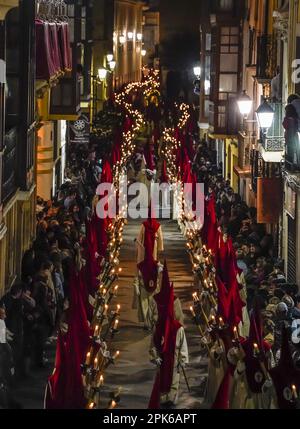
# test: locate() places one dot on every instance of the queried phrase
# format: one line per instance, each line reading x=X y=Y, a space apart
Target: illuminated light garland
x=105 y=323
x=150 y=84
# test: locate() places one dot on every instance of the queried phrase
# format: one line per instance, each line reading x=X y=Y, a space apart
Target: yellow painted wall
x=19 y=226
x=232 y=153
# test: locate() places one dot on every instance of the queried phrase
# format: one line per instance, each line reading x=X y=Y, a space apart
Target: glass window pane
x=225 y=30
x=228 y=62
x=234 y=40
x=234 y=49
x=208 y=42
x=222 y=120
x=206 y=108
x=225 y=40
x=234 y=30
x=228 y=83
x=224 y=48
x=226 y=5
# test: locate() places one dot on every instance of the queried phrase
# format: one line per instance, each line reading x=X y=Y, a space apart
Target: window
x=208 y=42
x=221 y=116
x=226 y=5
x=228 y=63
x=207 y=75
x=228 y=83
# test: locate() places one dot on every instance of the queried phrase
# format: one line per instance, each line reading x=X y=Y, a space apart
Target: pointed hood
x=106 y=175
x=149 y=270
x=164 y=338
x=151 y=226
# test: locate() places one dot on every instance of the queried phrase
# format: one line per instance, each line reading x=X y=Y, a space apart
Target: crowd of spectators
x=256 y=252
x=33 y=308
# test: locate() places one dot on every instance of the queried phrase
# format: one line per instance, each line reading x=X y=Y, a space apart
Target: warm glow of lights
x=122 y=39
x=102 y=74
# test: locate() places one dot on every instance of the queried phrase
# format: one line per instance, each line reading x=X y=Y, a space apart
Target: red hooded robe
x=164 y=340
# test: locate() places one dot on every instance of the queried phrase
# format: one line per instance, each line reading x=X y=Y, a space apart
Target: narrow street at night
x=149 y=209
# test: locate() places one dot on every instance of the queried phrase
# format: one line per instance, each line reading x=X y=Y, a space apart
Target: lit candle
x=192 y=311
x=95 y=363
x=112 y=405
x=221 y=322
x=88 y=358
x=116 y=289
x=294 y=390
x=100 y=381
x=120 y=270
x=91 y=405
x=118 y=308
x=117 y=354
x=235 y=332
x=256 y=349
x=116 y=324
x=96 y=331
x=213 y=319
x=105 y=310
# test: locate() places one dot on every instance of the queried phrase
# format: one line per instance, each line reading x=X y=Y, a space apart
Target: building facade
x=221 y=80
x=17 y=136
x=117 y=32
x=287 y=23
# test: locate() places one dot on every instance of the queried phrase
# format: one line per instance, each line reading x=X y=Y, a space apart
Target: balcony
x=65 y=98
x=266 y=58
x=9 y=180
x=272 y=146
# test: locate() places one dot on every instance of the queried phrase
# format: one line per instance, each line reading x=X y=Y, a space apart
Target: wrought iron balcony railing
x=266 y=57
x=9 y=181
x=274 y=141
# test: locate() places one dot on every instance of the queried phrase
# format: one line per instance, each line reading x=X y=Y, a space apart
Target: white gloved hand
x=204 y=340
x=158 y=361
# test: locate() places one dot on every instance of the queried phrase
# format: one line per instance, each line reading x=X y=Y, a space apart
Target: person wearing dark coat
x=13 y=304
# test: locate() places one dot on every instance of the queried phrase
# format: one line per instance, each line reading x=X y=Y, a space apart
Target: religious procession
x=148 y=245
